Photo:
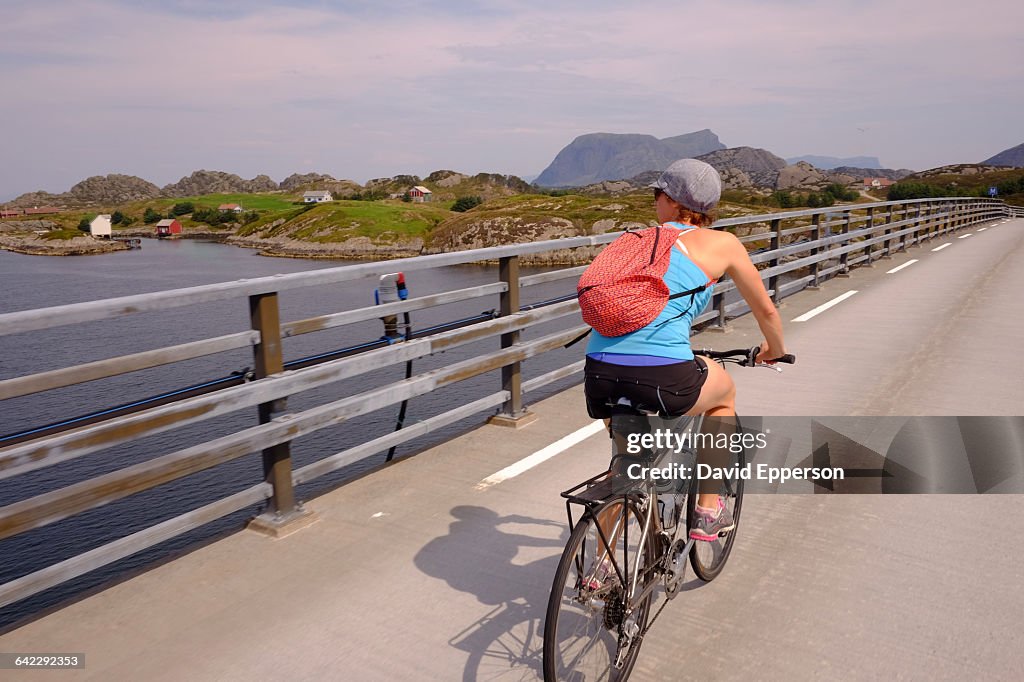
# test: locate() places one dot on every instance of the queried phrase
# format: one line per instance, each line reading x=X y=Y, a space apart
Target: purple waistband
x=634 y=360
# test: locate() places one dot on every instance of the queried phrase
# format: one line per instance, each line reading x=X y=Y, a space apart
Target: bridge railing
x=795 y=249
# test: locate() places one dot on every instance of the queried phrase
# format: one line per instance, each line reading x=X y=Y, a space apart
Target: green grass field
x=341 y=220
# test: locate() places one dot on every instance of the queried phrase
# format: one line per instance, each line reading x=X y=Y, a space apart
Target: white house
x=234 y=208
x=100 y=226
x=316 y=196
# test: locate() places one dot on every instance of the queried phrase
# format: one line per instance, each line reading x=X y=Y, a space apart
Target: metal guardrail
x=808 y=246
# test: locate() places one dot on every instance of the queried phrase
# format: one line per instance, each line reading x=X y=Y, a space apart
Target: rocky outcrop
x=740 y=165
x=112 y=189
x=98 y=190
x=218 y=182
x=399 y=183
x=801 y=176
x=1014 y=156
x=40 y=198
x=596 y=157
x=14 y=226
x=735 y=178
x=356 y=247
x=35 y=245
x=446 y=178
x=958 y=169
x=611 y=187
x=297 y=181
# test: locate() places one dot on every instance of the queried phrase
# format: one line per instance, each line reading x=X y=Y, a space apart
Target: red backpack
x=624 y=289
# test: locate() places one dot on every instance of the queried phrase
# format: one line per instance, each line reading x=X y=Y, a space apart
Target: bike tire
x=578 y=644
x=708 y=557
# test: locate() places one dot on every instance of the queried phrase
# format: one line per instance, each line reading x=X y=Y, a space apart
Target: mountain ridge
x=597 y=157
x=1014 y=156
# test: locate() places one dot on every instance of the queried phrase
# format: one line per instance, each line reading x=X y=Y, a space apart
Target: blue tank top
x=668 y=335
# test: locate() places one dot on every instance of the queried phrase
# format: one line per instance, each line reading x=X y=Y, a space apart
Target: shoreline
x=33 y=245
x=357 y=248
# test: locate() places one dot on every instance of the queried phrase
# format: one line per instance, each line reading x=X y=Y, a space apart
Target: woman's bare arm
x=748 y=283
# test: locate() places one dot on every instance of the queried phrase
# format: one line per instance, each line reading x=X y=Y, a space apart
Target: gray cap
x=691 y=183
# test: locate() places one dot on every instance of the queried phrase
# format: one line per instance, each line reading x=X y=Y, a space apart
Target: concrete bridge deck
x=418 y=572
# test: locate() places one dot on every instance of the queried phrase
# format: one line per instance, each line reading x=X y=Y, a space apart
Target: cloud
x=371 y=89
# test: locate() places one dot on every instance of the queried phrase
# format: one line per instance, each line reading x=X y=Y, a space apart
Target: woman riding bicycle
x=654 y=366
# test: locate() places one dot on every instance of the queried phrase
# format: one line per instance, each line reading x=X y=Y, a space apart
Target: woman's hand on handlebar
x=768 y=355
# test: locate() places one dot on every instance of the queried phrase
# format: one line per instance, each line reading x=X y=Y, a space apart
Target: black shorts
x=671 y=390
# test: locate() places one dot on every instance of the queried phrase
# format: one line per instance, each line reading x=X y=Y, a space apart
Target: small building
x=41 y=210
x=234 y=208
x=316 y=196
x=877 y=183
x=100 y=226
x=168 y=227
x=11 y=212
x=419 y=194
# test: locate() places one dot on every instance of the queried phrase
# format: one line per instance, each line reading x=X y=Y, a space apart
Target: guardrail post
x=844 y=269
x=512 y=412
x=774 y=244
x=917 y=225
x=718 y=303
x=816 y=222
x=887 y=244
x=870 y=225
x=282 y=515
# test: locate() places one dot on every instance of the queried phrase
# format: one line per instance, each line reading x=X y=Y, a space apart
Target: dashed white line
x=964 y=236
x=824 y=306
x=982 y=229
x=900 y=267
x=940 y=248
x=541 y=455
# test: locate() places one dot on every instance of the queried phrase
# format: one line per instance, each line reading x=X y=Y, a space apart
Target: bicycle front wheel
x=595 y=621
x=708 y=557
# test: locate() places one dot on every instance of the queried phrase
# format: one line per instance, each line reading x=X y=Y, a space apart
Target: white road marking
x=964 y=236
x=542 y=455
x=940 y=248
x=900 y=267
x=379 y=515
x=824 y=306
x=982 y=229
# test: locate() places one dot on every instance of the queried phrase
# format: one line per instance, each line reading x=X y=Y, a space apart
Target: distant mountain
x=832 y=162
x=861 y=173
x=1014 y=156
x=597 y=157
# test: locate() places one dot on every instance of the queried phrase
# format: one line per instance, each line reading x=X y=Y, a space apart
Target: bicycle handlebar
x=748 y=355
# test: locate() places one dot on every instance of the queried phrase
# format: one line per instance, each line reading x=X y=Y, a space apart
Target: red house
x=419 y=194
x=167 y=227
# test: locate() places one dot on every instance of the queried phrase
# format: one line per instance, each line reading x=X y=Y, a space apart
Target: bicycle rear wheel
x=708 y=557
x=595 y=634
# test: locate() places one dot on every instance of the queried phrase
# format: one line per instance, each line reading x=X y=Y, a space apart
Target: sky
x=365 y=89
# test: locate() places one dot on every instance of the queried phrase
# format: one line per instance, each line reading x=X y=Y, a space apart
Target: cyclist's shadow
x=478 y=557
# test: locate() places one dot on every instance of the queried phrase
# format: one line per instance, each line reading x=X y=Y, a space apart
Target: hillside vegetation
x=964 y=180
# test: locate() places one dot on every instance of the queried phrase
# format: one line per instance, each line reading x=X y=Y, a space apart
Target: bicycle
x=601 y=599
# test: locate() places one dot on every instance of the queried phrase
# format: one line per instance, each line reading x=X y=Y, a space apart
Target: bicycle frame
x=599 y=492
